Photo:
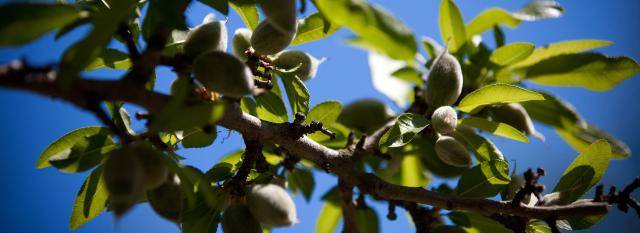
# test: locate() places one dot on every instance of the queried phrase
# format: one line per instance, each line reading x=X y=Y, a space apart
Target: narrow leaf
x=496 y=128
x=412 y=174
x=560 y=48
x=269 y=107
x=452 y=26
x=325 y=112
x=489 y=19
x=377 y=28
x=592 y=71
x=90 y=201
x=297 y=93
x=312 y=29
x=328 y=218
x=486 y=179
x=110 y=58
x=248 y=12
x=497 y=94
x=580 y=139
x=64 y=144
x=511 y=53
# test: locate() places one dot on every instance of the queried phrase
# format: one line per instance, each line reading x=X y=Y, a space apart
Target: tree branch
x=41 y=80
x=348 y=208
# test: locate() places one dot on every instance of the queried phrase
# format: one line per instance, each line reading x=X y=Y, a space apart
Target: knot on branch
x=252 y=153
x=622 y=199
x=297 y=128
x=531 y=186
x=18 y=72
x=260 y=66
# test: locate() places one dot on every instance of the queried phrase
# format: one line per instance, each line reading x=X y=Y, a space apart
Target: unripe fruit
x=444 y=82
x=272 y=206
x=241 y=42
x=307 y=65
x=124 y=179
x=444 y=120
x=153 y=168
x=166 y=200
x=365 y=115
x=280 y=13
x=452 y=152
x=223 y=73
x=238 y=219
x=515 y=115
x=206 y=37
x=267 y=40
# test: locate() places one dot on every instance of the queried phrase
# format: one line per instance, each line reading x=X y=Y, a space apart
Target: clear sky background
x=40 y=200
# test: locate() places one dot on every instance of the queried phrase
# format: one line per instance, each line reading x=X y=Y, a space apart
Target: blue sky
x=40 y=200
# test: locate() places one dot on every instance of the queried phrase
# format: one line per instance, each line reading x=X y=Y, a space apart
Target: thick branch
x=41 y=81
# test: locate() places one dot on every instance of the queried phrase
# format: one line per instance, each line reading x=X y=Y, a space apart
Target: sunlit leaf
x=555 y=112
x=63 y=145
x=580 y=139
x=497 y=94
x=584 y=172
x=560 y=48
x=592 y=71
x=248 y=12
x=312 y=29
x=196 y=137
x=382 y=69
x=329 y=217
x=110 y=58
x=407 y=126
x=486 y=179
x=269 y=107
x=377 y=28
x=484 y=149
x=297 y=93
x=412 y=173
x=326 y=112
x=490 y=18
x=496 y=128
x=511 y=53
x=90 y=201
x=452 y=26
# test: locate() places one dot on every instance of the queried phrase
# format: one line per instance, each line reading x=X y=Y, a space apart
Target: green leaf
x=555 y=112
x=537 y=10
x=367 y=220
x=63 y=145
x=580 y=139
x=220 y=5
x=312 y=29
x=110 y=58
x=537 y=227
x=297 y=93
x=120 y=116
x=496 y=128
x=328 y=218
x=486 y=179
x=377 y=28
x=579 y=223
x=219 y=172
x=90 y=201
x=84 y=154
x=484 y=149
x=200 y=219
x=482 y=224
x=592 y=71
x=269 y=107
x=248 y=105
x=584 y=172
x=82 y=53
x=197 y=138
x=163 y=13
x=452 y=26
x=511 y=53
x=409 y=74
x=248 y=12
x=326 y=112
x=560 y=48
x=302 y=180
x=496 y=94
x=412 y=174
x=407 y=126
x=490 y=18
x=22 y=23
x=177 y=118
